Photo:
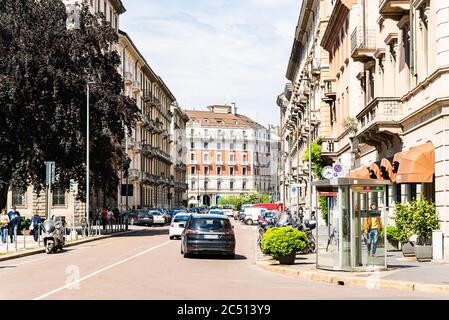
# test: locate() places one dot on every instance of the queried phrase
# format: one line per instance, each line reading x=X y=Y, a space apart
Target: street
x=147 y=265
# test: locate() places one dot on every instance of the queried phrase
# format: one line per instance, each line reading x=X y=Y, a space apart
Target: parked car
x=158 y=217
x=217 y=211
x=212 y=234
x=144 y=217
x=252 y=215
x=178 y=224
x=228 y=210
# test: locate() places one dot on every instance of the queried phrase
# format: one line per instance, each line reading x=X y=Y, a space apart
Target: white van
x=252 y=215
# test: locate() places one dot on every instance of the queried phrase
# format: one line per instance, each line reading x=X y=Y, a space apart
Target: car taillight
x=191 y=232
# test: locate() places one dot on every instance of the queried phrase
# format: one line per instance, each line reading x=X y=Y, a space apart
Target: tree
x=318 y=163
x=44 y=69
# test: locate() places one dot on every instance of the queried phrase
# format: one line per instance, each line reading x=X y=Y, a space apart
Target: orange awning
x=360 y=173
x=417 y=165
x=374 y=170
x=387 y=170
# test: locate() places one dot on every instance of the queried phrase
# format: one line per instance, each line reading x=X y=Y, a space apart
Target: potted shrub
x=403 y=220
x=283 y=243
x=424 y=221
x=24 y=226
x=393 y=238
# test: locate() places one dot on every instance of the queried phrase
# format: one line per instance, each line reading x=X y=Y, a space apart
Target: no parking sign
x=338 y=170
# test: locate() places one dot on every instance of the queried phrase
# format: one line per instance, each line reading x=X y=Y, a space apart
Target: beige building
x=388 y=102
x=308 y=73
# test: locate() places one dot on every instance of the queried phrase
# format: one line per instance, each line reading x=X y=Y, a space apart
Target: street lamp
x=87 y=155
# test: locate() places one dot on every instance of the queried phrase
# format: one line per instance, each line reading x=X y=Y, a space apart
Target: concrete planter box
x=408 y=249
x=290 y=259
x=423 y=253
x=392 y=245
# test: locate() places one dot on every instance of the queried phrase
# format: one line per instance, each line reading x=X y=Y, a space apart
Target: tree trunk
x=3 y=197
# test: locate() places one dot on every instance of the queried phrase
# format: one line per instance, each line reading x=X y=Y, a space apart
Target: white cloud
x=209 y=51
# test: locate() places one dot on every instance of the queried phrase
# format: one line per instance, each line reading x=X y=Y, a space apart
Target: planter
x=289 y=259
x=408 y=249
x=423 y=253
x=392 y=245
x=24 y=232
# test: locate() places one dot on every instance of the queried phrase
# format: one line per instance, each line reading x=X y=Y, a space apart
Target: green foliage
x=25 y=224
x=351 y=124
x=283 y=241
x=393 y=233
x=416 y=217
x=44 y=69
x=251 y=198
x=324 y=208
x=317 y=161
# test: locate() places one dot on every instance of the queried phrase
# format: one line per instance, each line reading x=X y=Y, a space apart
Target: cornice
x=339 y=13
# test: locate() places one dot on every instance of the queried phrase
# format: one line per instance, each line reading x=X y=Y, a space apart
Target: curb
x=72 y=244
x=351 y=281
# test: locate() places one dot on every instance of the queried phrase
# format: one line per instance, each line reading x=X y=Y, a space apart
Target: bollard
x=15 y=237
x=7 y=242
x=39 y=234
x=24 y=239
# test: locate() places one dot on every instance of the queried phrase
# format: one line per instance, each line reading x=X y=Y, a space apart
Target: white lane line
x=71 y=284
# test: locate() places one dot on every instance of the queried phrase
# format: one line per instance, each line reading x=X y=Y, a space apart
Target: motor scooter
x=54 y=234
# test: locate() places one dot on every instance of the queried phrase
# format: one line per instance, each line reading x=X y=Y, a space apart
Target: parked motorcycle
x=54 y=234
x=307 y=227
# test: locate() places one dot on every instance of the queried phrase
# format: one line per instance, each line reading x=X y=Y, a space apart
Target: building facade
x=227 y=154
x=388 y=106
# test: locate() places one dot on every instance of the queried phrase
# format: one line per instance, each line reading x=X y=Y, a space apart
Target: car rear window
x=204 y=224
x=181 y=218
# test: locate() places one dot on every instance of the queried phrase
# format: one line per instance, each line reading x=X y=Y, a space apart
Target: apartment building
x=387 y=102
x=149 y=182
x=179 y=168
x=227 y=154
x=305 y=113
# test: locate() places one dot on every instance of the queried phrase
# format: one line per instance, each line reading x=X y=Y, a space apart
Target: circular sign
x=338 y=168
x=327 y=172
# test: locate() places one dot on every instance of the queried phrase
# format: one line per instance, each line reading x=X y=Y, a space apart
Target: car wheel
x=248 y=222
x=186 y=255
x=171 y=237
x=182 y=251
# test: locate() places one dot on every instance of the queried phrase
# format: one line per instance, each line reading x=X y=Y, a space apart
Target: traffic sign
x=73 y=187
x=50 y=172
x=337 y=170
x=294 y=189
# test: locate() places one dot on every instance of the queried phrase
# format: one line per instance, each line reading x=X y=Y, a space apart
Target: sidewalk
x=403 y=274
x=26 y=245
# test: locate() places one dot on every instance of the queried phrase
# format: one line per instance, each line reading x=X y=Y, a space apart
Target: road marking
x=71 y=284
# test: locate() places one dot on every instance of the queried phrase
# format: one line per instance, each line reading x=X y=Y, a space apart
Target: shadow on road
x=145 y=233
x=217 y=257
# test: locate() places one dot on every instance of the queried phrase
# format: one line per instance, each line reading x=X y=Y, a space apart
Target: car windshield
x=268 y=215
x=181 y=218
x=155 y=213
x=216 y=212
x=207 y=224
x=227 y=207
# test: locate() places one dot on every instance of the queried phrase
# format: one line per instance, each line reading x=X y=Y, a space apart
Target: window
x=206 y=145
x=219 y=146
x=218 y=185
x=18 y=198
x=219 y=171
x=192 y=184
x=192 y=170
x=58 y=197
x=231 y=171
x=206 y=184
x=231 y=157
x=192 y=132
x=192 y=145
x=244 y=185
x=206 y=170
x=192 y=157
x=244 y=171
x=244 y=146
x=231 y=185
x=206 y=157
x=219 y=159
x=232 y=146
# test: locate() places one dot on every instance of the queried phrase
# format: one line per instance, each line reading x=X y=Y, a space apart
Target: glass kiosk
x=355 y=237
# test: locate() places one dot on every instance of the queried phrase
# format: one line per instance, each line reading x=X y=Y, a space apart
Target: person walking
x=4 y=224
x=14 y=221
x=104 y=218
x=35 y=222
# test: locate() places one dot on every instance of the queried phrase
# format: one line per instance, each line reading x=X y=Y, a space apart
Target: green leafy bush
x=403 y=220
x=324 y=208
x=393 y=233
x=283 y=241
x=25 y=224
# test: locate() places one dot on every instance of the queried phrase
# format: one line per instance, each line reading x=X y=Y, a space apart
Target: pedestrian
x=14 y=222
x=104 y=218
x=110 y=216
x=35 y=225
x=4 y=223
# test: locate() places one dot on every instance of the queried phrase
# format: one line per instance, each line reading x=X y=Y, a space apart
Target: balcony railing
x=136 y=86
x=363 y=42
x=128 y=77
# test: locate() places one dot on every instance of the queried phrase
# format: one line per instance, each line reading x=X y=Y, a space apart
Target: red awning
x=374 y=170
x=360 y=173
x=417 y=165
x=386 y=169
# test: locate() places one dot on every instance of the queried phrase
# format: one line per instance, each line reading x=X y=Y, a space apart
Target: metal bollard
x=24 y=239
x=7 y=242
x=15 y=237
x=39 y=234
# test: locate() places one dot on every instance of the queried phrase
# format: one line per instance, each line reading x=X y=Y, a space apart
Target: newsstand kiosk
x=354 y=239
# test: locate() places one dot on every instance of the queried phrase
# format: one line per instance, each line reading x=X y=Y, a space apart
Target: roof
x=118 y=6
x=223 y=120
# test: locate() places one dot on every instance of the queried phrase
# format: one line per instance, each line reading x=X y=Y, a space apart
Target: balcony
x=328 y=148
x=128 y=78
x=135 y=86
x=244 y=162
x=363 y=43
x=394 y=6
x=219 y=162
x=379 y=122
x=231 y=162
x=329 y=91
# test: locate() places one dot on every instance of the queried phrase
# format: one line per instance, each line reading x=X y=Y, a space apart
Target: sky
x=217 y=51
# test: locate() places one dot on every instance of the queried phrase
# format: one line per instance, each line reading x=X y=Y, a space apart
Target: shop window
x=59 y=196
x=18 y=198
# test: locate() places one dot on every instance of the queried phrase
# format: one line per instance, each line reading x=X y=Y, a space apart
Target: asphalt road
x=147 y=265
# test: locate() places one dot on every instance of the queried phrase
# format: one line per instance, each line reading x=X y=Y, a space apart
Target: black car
x=208 y=233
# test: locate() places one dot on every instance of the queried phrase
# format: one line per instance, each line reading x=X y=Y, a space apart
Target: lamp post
x=87 y=155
